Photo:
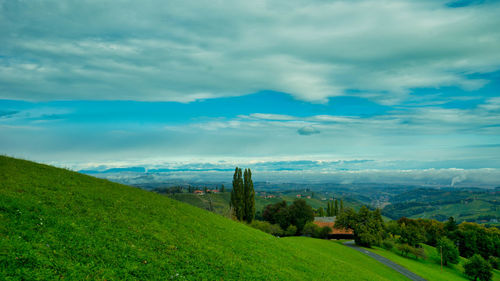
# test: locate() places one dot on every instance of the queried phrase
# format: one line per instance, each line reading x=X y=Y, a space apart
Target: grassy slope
x=430 y=268
x=60 y=224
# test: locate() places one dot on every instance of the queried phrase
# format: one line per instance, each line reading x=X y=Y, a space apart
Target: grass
x=429 y=268
x=58 y=224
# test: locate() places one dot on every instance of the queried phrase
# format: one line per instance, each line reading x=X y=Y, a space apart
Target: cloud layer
x=190 y=50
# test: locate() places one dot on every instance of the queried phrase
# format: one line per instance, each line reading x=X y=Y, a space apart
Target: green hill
x=58 y=224
x=473 y=205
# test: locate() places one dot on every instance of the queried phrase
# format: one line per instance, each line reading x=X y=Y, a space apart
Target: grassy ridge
x=60 y=224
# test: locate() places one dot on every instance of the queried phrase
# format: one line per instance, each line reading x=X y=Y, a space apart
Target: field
x=58 y=224
x=430 y=268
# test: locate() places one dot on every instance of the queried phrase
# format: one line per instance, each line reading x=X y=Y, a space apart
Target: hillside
x=58 y=224
x=474 y=205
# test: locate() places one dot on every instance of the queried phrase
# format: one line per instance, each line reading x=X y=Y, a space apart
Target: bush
x=312 y=230
x=291 y=230
x=387 y=244
x=494 y=261
x=478 y=268
x=404 y=249
x=324 y=231
x=418 y=253
x=273 y=229
x=366 y=239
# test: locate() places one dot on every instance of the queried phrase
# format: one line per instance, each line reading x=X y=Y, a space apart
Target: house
x=213 y=191
x=298 y=195
x=308 y=197
x=336 y=233
x=199 y=192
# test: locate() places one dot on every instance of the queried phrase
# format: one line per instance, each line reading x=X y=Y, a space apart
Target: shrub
x=387 y=244
x=494 y=261
x=273 y=229
x=309 y=229
x=291 y=230
x=478 y=268
x=405 y=249
x=324 y=231
x=418 y=252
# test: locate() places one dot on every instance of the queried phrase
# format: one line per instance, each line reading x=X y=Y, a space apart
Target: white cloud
x=188 y=50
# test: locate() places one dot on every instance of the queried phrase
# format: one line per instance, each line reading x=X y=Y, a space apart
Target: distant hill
x=58 y=224
x=475 y=205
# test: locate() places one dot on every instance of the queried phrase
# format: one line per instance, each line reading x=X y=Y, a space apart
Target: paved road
x=385 y=261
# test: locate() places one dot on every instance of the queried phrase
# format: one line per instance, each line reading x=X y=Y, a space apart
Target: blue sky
x=400 y=85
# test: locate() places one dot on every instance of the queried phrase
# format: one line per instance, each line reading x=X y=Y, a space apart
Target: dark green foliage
x=297 y=214
x=388 y=244
x=367 y=225
x=341 y=206
x=494 y=261
x=411 y=234
x=313 y=230
x=273 y=229
x=328 y=209
x=449 y=251
x=277 y=213
x=478 y=268
x=300 y=214
x=291 y=230
x=336 y=208
x=248 y=196
x=237 y=195
x=321 y=212
x=404 y=249
x=222 y=189
x=473 y=238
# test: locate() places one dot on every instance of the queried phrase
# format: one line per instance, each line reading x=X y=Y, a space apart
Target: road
x=385 y=261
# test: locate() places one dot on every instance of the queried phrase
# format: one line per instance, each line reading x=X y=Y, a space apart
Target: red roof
x=334 y=230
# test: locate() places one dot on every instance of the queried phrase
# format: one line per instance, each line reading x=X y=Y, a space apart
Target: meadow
x=59 y=224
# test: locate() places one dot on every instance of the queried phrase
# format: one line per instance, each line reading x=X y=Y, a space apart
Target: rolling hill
x=59 y=224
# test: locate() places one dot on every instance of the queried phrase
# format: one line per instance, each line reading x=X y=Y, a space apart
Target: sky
x=396 y=87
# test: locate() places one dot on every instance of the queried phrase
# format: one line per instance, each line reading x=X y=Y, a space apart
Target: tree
x=222 y=189
x=248 y=197
x=448 y=249
x=368 y=226
x=300 y=214
x=328 y=209
x=341 y=206
x=237 y=199
x=478 y=268
x=336 y=208
x=277 y=213
x=321 y=212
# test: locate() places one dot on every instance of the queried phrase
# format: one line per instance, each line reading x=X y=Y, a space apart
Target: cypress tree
x=341 y=206
x=249 y=196
x=222 y=189
x=336 y=208
x=237 y=198
x=328 y=209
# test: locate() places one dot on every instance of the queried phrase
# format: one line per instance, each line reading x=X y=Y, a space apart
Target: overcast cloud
x=188 y=50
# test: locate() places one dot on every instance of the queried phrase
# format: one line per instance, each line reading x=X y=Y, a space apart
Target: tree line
x=481 y=245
